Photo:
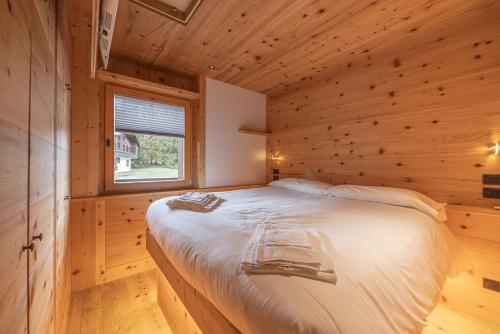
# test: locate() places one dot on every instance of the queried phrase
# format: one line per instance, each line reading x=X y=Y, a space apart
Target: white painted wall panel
x=233 y=158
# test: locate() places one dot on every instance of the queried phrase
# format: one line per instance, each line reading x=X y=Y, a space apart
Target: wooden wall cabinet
x=15 y=44
x=34 y=173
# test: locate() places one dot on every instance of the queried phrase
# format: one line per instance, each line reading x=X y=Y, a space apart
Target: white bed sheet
x=390 y=262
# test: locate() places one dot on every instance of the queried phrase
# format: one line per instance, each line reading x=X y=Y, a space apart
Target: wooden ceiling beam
x=144 y=85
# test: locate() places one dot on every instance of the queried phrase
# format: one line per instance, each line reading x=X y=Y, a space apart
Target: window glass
x=152 y=140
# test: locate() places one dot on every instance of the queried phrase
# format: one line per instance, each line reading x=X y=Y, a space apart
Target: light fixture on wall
x=212 y=67
x=275 y=157
x=495 y=149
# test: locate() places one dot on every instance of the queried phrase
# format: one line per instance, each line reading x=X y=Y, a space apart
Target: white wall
x=234 y=158
x=122 y=166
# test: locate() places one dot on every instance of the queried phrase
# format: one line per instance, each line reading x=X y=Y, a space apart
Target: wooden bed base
x=186 y=309
x=478 y=230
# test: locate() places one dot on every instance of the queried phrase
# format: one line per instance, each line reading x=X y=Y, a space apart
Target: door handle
x=31 y=247
x=66 y=197
x=39 y=237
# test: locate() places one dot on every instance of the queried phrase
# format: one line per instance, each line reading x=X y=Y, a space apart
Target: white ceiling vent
x=177 y=10
x=109 y=8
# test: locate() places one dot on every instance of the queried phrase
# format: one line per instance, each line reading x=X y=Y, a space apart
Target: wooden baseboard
x=129 y=269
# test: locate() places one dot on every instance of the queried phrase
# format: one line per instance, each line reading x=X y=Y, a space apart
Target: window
x=155 y=132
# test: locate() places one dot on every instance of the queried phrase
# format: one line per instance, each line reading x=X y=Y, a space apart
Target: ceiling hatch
x=177 y=10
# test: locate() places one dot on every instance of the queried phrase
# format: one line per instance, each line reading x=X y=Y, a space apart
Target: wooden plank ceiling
x=280 y=45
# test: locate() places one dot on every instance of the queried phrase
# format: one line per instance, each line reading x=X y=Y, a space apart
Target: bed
x=390 y=262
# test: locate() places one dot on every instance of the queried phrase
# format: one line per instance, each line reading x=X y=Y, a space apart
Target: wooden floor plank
x=125 y=306
x=445 y=320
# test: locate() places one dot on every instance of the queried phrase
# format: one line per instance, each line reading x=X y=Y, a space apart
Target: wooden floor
x=445 y=320
x=129 y=305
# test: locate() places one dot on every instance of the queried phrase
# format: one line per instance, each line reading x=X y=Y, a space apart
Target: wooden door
x=15 y=29
x=42 y=169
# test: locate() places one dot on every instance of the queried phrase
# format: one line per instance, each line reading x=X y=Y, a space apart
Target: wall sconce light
x=275 y=157
x=495 y=149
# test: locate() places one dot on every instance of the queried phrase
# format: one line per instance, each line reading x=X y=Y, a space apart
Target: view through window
x=148 y=140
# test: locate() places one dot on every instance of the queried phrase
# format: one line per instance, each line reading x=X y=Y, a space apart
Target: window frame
x=110 y=185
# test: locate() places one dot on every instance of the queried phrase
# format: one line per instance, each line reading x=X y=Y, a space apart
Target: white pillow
x=306 y=186
x=392 y=196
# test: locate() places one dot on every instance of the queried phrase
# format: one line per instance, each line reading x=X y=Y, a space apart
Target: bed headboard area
x=417 y=113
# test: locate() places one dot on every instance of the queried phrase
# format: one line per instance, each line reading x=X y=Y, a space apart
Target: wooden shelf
x=252 y=132
x=149 y=86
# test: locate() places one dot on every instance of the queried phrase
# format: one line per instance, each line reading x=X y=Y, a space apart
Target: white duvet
x=390 y=262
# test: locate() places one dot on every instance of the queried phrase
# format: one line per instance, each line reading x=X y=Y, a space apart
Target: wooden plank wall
x=87 y=158
x=88 y=114
x=126 y=67
x=62 y=166
x=107 y=232
x=49 y=264
x=41 y=210
x=478 y=230
x=199 y=135
x=108 y=239
x=416 y=113
x=15 y=43
x=86 y=122
x=108 y=236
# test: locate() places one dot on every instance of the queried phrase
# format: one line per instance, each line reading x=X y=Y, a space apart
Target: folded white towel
x=308 y=260
x=278 y=236
x=328 y=277
x=195 y=196
x=287 y=254
x=196 y=201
